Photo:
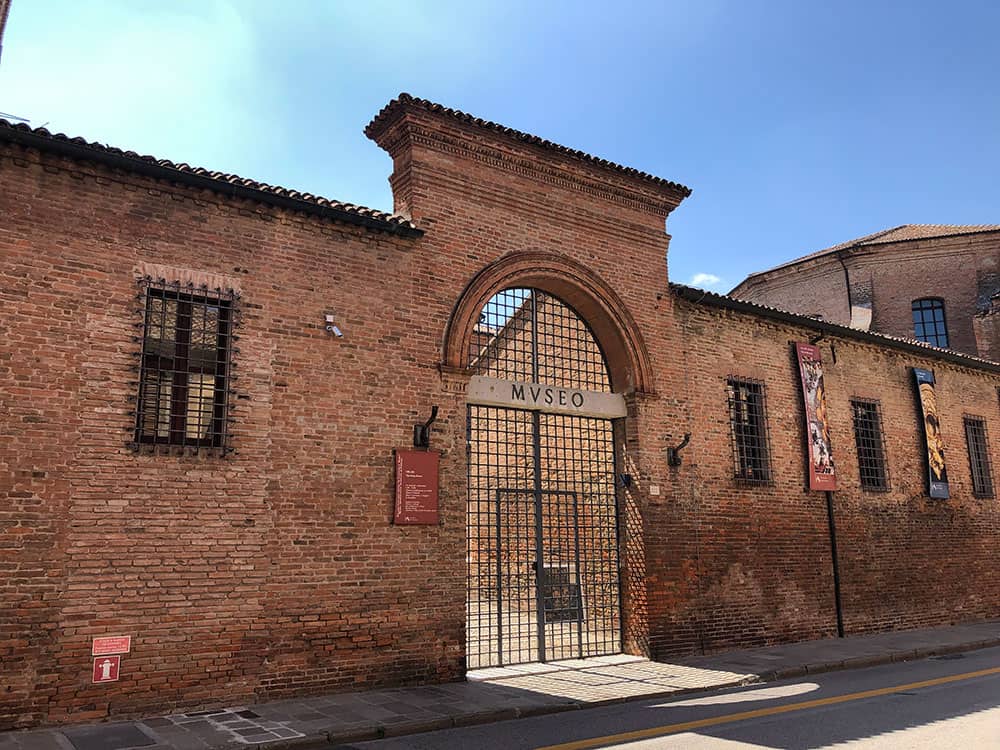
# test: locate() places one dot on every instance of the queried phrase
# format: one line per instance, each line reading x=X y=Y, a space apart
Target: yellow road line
x=645 y=734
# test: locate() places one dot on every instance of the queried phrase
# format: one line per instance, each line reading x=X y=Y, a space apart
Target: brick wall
x=962 y=271
x=753 y=564
x=275 y=571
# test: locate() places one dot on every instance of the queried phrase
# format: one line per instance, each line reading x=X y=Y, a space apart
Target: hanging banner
x=937 y=473
x=822 y=475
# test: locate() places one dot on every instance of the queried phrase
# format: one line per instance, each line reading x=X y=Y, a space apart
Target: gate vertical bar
x=576 y=570
x=539 y=553
x=499 y=587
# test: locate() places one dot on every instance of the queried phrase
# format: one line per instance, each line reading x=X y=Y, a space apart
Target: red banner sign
x=106 y=668
x=111 y=644
x=416 y=487
x=822 y=475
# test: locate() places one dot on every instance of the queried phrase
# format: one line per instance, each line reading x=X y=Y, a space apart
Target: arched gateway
x=542 y=509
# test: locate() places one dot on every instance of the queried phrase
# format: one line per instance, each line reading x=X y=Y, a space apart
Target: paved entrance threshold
x=607 y=678
x=495 y=694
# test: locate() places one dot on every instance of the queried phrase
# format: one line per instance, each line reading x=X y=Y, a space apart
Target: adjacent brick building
x=935 y=283
x=203 y=381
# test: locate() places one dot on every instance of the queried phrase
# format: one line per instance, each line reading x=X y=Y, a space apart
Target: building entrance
x=543 y=580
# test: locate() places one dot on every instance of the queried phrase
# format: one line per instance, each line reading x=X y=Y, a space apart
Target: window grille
x=525 y=334
x=748 y=417
x=928 y=322
x=868 y=437
x=979 y=456
x=185 y=363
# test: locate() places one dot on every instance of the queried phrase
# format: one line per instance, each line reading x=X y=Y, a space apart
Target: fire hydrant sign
x=111 y=644
x=106 y=668
x=416 y=487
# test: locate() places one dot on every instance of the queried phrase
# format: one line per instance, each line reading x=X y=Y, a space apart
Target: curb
x=375 y=731
x=489 y=717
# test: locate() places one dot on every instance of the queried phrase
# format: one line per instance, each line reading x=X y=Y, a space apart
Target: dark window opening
x=748 y=418
x=185 y=367
x=928 y=322
x=979 y=457
x=868 y=437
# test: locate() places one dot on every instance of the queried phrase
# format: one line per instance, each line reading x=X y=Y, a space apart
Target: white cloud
x=706 y=281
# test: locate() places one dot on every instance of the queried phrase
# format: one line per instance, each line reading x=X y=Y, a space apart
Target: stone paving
x=494 y=695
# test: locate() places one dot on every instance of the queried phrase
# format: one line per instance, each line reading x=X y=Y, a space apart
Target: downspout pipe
x=836 y=564
x=847 y=285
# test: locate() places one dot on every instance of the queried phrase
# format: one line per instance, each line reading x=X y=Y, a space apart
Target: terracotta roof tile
x=903 y=233
x=703 y=296
x=164 y=169
x=385 y=116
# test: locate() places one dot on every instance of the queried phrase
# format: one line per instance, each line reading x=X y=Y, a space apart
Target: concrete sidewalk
x=495 y=695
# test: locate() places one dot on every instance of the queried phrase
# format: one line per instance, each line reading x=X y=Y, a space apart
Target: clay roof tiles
x=902 y=233
x=727 y=301
x=385 y=116
x=220 y=181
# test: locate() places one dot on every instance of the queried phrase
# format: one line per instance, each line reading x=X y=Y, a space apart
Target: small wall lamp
x=332 y=327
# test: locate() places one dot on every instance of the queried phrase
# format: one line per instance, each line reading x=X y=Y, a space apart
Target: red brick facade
x=275 y=570
x=884 y=274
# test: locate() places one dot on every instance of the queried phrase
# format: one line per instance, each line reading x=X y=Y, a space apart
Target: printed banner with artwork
x=822 y=475
x=937 y=473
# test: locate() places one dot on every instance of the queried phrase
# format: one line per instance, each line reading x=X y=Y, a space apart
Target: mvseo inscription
x=540 y=395
x=549 y=398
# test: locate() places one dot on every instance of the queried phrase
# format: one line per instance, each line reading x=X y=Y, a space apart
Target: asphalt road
x=940 y=703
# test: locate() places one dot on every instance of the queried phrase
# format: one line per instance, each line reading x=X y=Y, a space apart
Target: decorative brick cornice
x=408 y=122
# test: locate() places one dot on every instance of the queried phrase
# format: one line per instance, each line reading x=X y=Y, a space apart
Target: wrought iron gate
x=542 y=515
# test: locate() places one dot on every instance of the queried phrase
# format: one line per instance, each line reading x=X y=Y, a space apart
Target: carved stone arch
x=576 y=285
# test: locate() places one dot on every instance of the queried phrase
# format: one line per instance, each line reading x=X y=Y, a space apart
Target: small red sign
x=416 y=487
x=111 y=644
x=106 y=668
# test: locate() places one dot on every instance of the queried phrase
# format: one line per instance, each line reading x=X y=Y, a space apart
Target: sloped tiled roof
x=384 y=117
x=714 y=299
x=228 y=184
x=903 y=233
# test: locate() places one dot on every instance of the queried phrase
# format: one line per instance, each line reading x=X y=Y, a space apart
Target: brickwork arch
x=576 y=285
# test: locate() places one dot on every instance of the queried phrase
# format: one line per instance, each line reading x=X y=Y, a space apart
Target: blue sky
x=797 y=124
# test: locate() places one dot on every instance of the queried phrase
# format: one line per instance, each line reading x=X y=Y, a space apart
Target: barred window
x=979 y=456
x=868 y=437
x=928 y=321
x=185 y=366
x=748 y=418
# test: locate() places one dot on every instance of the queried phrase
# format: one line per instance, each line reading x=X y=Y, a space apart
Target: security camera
x=335 y=331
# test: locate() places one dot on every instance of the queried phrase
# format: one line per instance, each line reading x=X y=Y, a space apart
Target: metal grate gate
x=542 y=515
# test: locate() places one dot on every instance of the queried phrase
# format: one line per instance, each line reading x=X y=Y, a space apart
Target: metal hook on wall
x=674 y=452
x=422 y=432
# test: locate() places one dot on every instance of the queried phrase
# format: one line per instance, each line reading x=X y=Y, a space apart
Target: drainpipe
x=836 y=564
x=847 y=284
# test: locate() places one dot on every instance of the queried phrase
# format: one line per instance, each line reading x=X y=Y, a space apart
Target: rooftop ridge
x=901 y=233
x=703 y=296
x=385 y=117
x=229 y=184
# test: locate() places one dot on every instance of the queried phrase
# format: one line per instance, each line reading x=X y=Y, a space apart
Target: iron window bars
x=748 y=419
x=979 y=456
x=928 y=321
x=869 y=439
x=185 y=366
